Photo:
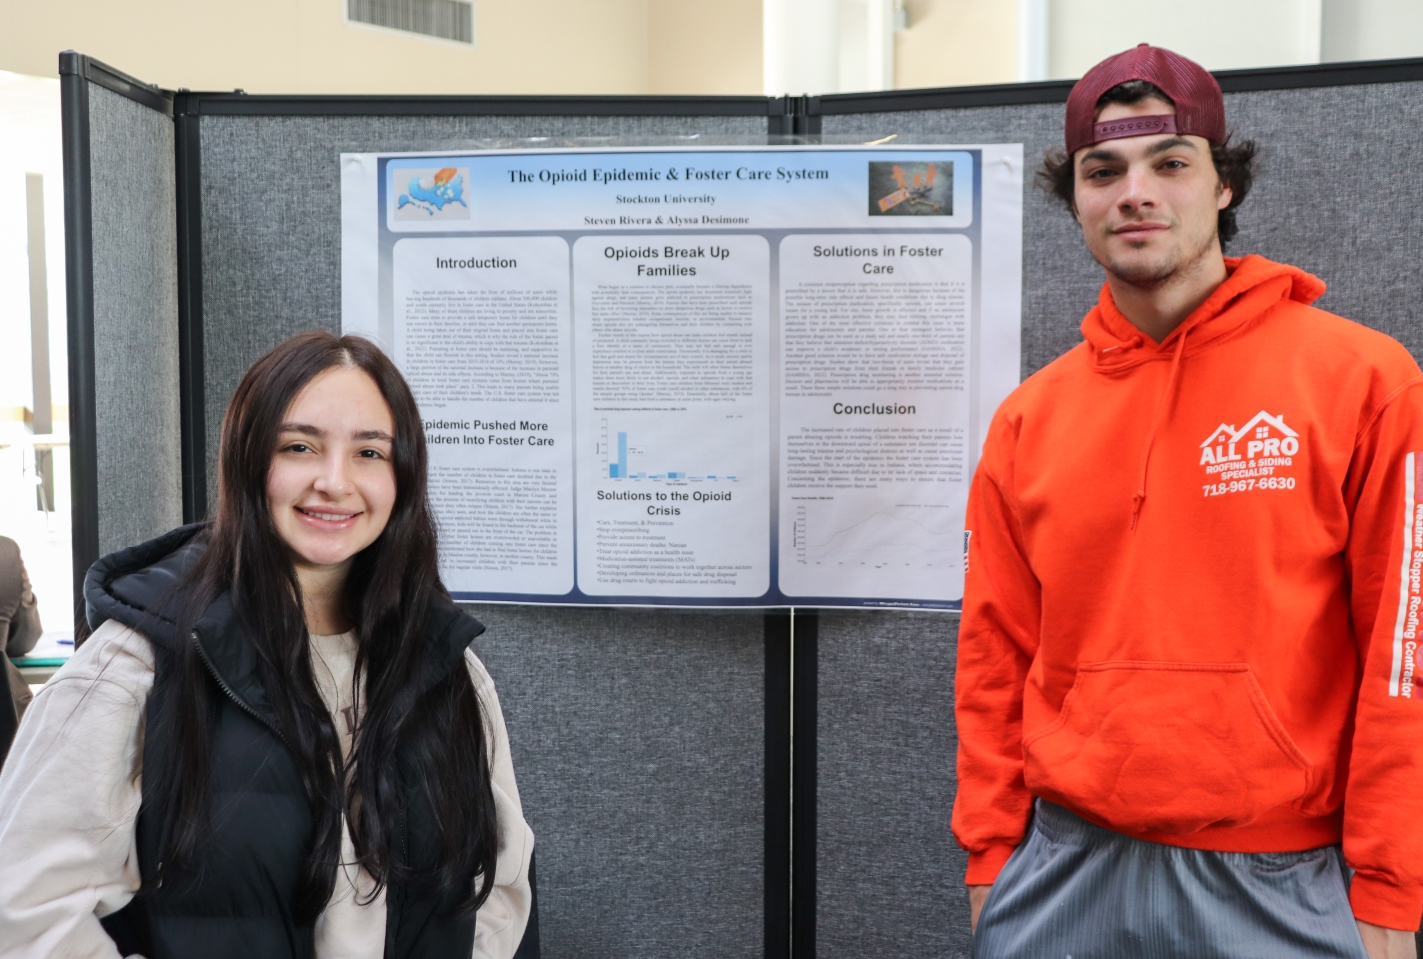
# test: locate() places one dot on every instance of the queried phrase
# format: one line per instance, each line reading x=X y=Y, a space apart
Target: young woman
x=276 y=742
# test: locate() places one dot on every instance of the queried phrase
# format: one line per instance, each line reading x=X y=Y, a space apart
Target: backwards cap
x=1200 y=109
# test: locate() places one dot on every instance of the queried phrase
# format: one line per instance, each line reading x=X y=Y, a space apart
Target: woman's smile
x=326 y=518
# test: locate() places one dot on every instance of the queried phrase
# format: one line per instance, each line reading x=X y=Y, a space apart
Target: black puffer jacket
x=238 y=902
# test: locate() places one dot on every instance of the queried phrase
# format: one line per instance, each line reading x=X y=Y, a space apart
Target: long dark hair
x=389 y=593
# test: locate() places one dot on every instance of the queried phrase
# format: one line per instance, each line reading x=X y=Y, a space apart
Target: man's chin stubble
x=1153 y=275
x=1145 y=275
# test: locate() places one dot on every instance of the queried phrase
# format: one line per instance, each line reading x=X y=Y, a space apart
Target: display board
x=604 y=706
x=122 y=293
x=639 y=738
x=654 y=747
x=751 y=376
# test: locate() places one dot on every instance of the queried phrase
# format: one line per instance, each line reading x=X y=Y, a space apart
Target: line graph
x=906 y=536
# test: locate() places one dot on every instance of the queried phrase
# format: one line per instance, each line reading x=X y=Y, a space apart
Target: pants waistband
x=1061 y=825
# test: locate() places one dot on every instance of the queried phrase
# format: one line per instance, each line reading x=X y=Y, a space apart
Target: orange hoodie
x=1185 y=615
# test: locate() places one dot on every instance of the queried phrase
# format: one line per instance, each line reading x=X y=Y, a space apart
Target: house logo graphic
x=1263 y=436
x=1251 y=457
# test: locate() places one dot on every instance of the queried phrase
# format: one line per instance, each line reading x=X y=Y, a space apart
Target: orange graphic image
x=914 y=189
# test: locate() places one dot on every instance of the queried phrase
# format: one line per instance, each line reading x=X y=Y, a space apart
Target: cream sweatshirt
x=70 y=791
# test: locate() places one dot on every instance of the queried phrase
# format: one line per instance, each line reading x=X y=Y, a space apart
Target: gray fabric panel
x=1337 y=196
x=272 y=219
x=637 y=743
x=889 y=874
x=1060 y=279
x=637 y=735
x=135 y=321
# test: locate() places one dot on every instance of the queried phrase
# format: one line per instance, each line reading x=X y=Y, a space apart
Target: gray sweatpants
x=1075 y=891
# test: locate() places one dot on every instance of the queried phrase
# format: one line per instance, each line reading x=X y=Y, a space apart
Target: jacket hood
x=142 y=587
x=1253 y=286
x=139 y=586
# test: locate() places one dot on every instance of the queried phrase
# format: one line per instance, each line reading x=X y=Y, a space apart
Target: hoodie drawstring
x=1139 y=496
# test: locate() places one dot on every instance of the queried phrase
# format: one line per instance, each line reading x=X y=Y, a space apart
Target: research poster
x=726 y=376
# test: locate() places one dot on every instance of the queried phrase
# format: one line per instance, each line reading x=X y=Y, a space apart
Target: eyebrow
x=306 y=429
x=1171 y=144
x=1101 y=155
x=1156 y=148
x=373 y=435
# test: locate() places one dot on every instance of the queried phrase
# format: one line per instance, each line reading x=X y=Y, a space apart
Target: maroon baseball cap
x=1200 y=109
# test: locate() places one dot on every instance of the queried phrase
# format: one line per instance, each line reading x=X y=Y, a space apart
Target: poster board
x=121 y=291
x=659 y=713
x=647 y=743
x=707 y=376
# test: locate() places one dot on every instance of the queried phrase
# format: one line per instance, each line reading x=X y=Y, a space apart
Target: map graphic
x=431 y=194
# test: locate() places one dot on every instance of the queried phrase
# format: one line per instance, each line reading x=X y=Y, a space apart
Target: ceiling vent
x=445 y=19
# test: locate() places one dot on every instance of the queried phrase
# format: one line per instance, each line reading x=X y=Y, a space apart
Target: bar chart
x=623 y=461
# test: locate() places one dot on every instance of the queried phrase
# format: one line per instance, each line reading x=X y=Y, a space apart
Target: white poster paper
x=874 y=414
x=483 y=339
x=695 y=377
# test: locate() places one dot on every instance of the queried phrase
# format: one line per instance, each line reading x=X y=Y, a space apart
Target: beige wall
x=644 y=46
x=700 y=47
x=521 y=46
x=1259 y=32
x=1372 y=29
x=305 y=46
x=960 y=42
x=957 y=42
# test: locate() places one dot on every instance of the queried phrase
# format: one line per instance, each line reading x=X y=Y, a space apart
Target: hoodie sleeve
x=998 y=636
x=1384 y=799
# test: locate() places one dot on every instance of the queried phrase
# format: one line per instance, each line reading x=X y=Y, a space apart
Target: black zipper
x=212 y=671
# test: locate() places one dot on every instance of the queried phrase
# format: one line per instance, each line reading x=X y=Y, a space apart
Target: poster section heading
x=762 y=417
x=797 y=188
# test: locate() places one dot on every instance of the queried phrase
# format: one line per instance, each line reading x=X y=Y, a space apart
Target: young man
x=1186 y=659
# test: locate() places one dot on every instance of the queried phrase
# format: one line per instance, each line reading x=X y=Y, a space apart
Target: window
x=446 y=19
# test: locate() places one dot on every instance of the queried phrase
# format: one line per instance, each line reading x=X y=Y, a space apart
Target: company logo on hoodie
x=1401 y=679
x=1256 y=456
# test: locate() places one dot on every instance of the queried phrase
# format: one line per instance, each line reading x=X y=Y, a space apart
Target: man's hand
x=1379 y=943
x=978 y=895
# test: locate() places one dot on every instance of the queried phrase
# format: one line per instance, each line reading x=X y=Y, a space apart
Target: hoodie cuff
x=985 y=865
x=1379 y=902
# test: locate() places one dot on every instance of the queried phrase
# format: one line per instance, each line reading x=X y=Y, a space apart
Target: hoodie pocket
x=1166 y=747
